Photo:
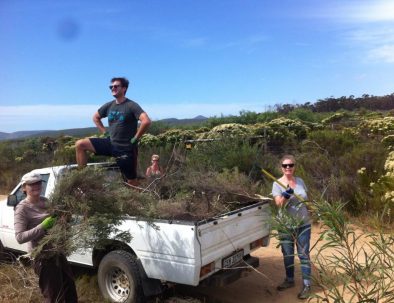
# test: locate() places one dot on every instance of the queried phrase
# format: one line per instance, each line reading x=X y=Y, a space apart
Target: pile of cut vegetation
x=91 y=203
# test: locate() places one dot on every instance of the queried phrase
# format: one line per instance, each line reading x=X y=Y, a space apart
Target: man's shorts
x=126 y=159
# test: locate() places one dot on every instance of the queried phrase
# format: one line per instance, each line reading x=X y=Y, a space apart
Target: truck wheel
x=119 y=279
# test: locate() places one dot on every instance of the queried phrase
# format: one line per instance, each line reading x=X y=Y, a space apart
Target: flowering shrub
x=336 y=117
x=388 y=142
x=298 y=128
x=381 y=126
x=148 y=139
x=227 y=130
x=176 y=135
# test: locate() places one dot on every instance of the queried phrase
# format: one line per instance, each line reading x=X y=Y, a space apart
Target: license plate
x=233 y=259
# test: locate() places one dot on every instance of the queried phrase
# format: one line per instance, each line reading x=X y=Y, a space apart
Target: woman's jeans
x=301 y=237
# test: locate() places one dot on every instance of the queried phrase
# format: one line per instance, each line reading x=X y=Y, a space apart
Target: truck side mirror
x=12 y=200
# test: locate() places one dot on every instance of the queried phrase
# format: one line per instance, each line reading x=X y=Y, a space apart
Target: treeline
x=331 y=104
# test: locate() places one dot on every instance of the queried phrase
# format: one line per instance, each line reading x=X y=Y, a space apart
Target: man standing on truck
x=123 y=132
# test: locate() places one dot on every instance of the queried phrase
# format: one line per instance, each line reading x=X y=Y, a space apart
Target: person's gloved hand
x=134 y=140
x=287 y=194
x=48 y=222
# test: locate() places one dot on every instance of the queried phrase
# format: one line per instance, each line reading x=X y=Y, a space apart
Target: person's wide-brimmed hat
x=31 y=178
x=155 y=157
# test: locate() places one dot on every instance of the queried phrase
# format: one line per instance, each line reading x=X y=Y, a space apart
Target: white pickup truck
x=215 y=251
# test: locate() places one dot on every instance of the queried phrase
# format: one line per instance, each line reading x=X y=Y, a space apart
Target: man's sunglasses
x=114 y=86
x=288 y=165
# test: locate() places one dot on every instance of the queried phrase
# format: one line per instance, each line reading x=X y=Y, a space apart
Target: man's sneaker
x=285 y=285
x=305 y=292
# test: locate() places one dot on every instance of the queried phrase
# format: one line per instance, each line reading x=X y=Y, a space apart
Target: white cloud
x=383 y=53
x=354 y=11
x=373 y=33
x=374 y=11
x=370 y=35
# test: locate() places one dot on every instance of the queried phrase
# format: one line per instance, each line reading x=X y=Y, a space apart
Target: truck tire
x=119 y=279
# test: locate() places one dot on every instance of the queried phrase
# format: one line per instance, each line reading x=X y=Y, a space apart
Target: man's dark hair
x=123 y=81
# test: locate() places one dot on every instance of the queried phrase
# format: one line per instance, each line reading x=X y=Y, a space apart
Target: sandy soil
x=260 y=286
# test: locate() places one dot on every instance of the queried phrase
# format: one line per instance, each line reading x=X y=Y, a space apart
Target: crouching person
x=32 y=221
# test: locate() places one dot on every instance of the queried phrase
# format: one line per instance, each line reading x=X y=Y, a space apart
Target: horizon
x=186 y=58
x=93 y=126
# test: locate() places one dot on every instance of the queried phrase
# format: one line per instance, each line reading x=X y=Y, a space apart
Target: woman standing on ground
x=299 y=230
x=32 y=221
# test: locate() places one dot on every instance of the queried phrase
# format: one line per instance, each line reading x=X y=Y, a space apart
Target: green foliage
x=336 y=117
x=340 y=166
x=224 y=154
x=332 y=142
x=360 y=266
x=244 y=117
x=158 y=127
x=303 y=114
x=267 y=116
x=388 y=142
x=87 y=211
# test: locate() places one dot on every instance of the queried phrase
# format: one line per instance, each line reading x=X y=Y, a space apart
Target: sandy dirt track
x=260 y=287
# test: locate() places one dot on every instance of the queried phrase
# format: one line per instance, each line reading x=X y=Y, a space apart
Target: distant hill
x=20 y=134
x=83 y=132
x=48 y=133
x=174 y=121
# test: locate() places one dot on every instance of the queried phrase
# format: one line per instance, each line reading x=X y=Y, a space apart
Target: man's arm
x=145 y=123
x=97 y=121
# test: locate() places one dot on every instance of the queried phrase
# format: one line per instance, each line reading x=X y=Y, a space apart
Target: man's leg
x=133 y=181
x=81 y=146
x=126 y=163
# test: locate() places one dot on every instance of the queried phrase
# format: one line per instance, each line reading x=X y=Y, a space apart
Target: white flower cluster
x=362 y=171
x=389 y=196
x=389 y=164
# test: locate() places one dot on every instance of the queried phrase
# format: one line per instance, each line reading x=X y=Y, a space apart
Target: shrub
x=176 y=135
x=224 y=131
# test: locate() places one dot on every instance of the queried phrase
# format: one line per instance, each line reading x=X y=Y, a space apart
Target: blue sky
x=187 y=57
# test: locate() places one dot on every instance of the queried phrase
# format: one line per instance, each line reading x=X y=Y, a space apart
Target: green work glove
x=134 y=140
x=48 y=222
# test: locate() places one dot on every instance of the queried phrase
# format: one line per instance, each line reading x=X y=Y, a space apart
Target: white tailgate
x=233 y=232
